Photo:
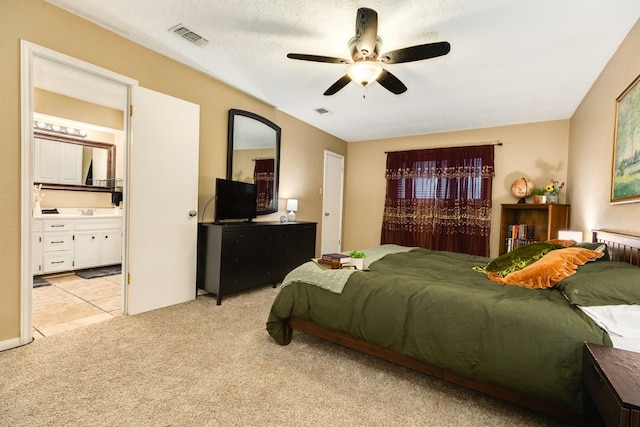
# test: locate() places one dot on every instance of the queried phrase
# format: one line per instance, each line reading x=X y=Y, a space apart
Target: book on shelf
x=519 y=235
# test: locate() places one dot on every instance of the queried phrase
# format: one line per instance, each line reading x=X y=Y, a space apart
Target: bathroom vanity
x=73 y=241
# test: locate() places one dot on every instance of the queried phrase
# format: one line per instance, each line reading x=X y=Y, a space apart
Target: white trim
x=9 y=344
x=28 y=51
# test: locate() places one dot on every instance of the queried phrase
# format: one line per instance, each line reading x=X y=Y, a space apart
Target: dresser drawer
x=57 y=226
x=605 y=398
x=249 y=239
x=611 y=383
x=57 y=242
x=57 y=262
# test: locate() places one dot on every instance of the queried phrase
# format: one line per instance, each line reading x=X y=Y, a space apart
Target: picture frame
x=625 y=172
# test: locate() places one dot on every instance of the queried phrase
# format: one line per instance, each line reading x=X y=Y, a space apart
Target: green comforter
x=433 y=306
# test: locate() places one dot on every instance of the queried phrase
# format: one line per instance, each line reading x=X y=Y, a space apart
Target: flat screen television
x=235 y=200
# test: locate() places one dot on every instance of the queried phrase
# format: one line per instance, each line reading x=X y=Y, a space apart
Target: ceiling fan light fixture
x=364 y=72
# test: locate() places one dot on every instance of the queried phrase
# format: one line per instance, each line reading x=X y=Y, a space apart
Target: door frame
x=325 y=188
x=28 y=51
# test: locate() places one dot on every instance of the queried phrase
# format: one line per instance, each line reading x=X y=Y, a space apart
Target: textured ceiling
x=510 y=61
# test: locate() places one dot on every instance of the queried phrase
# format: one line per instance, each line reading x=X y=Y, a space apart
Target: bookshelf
x=546 y=219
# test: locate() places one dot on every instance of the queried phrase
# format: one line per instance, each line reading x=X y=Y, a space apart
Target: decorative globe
x=522 y=188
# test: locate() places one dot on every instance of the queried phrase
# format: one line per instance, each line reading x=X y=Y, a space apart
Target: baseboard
x=9 y=344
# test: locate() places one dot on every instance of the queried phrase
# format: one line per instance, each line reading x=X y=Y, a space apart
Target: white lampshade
x=570 y=235
x=292 y=205
x=364 y=72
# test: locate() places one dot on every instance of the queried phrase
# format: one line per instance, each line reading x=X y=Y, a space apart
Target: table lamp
x=292 y=207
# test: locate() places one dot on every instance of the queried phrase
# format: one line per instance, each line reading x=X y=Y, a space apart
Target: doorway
x=64 y=93
x=159 y=239
x=332 y=200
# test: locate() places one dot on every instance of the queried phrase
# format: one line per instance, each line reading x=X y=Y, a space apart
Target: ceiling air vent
x=188 y=34
x=322 y=111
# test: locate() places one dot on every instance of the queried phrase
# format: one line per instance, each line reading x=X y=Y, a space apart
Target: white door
x=332 y=202
x=162 y=197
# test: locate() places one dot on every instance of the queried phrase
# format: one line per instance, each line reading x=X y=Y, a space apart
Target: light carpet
x=198 y=364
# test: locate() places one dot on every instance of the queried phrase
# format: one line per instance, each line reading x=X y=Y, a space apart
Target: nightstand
x=612 y=380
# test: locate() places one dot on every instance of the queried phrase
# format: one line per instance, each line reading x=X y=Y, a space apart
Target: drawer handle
x=57 y=262
x=57 y=225
x=58 y=241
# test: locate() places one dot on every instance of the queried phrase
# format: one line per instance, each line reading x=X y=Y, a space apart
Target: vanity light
x=364 y=72
x=292 y=206
x=67 y=130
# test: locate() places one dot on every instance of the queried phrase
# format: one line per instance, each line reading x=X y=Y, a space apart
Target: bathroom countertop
x=76 y=213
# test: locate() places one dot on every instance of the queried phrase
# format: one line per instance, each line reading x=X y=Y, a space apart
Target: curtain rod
x=495 y=142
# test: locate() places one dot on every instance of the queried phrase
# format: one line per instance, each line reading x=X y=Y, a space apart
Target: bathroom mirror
x=253 y=155
x=64 y=163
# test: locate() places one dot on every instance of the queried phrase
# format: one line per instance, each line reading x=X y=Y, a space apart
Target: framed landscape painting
x=625 y=178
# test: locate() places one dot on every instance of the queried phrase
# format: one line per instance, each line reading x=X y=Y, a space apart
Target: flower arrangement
x=538 y=191
x=554 y=187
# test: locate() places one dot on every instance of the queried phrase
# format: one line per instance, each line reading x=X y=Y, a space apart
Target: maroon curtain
x=263 y=173
x=439 y=199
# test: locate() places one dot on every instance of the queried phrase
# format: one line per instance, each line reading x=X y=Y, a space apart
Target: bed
x=437 y=313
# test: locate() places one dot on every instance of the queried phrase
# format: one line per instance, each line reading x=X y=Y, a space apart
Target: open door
x=163 y=198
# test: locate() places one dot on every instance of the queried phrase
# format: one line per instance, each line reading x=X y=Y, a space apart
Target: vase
x=36 y=209
x=539 y=199
x=358 y=263
x=552 y=199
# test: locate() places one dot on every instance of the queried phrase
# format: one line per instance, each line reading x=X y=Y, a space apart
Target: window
x=440 y=199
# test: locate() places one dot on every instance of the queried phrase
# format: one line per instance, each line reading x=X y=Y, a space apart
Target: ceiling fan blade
x=391 y=83
x=416 y=53
x=366 y=31
x=344 y=80
x=318 y=58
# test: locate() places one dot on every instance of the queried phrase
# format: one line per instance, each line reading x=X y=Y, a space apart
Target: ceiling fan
x=366 y=64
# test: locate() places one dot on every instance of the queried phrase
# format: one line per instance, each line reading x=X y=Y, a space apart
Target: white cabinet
x=86 y=250
x=57 y=245
x=57 y=162
x=76 y=243
x=97 y=242
x=36 y=247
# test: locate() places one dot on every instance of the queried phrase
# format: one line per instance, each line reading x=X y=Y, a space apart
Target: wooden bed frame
x=622 y=247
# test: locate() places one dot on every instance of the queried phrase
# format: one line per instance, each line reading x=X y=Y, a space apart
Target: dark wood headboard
x=622 y=247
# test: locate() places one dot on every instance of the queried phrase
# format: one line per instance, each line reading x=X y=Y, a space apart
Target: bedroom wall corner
x=591 y=143
x=535 y=150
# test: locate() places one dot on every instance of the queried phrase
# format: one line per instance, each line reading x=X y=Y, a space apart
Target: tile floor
x=72 y=301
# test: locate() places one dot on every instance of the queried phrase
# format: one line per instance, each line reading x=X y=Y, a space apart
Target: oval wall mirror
x=253 y=155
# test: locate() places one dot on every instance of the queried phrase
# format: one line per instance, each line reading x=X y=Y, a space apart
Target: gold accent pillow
x=550 y=269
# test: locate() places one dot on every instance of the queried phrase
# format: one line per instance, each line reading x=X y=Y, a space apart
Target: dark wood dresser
x=233 y=257
x=612 y=380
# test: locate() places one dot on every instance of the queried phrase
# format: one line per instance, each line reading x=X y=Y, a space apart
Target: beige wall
x=41 y=23
x=578 y=151
x=591 y=146
x=537 y=151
